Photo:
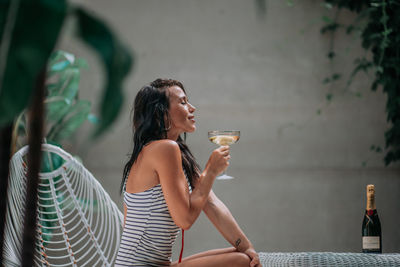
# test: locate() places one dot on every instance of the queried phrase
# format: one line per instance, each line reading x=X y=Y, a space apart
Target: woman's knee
x=242 y=259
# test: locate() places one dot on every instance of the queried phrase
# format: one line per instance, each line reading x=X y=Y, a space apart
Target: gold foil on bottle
x=371 y=197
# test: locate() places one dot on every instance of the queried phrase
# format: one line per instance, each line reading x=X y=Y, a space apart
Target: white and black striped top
x=149 y=231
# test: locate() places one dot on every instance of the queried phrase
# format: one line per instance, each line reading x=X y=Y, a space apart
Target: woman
x=165 y=189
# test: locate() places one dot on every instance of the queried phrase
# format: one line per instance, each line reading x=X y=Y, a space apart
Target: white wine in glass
x=224 y=138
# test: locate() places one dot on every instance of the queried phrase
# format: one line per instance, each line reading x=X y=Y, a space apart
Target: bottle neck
x=371 y=202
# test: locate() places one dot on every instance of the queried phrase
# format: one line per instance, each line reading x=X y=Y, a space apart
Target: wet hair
x=151 y=121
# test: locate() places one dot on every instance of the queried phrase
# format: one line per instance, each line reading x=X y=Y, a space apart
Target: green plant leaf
x=4 y=11
x=70 y=90
x=290 y=3
x=55 y=88
x=93 y=119
x=376 y=4
x=62 y=60
x=327 y=19
x=336 y=76
x=56 y=108
x=62 y=94
x=34 y=34
x=60 y=66
x=329 y=97
x=326 y=80
x=117 y=62
x=51 y=161
x=327 y=5
x=330 y=27
x=261 y=7
x=56 y=56
x=67 y=84
x=350 y=29
x=375 y=85
x=81 y=63
x=76 y=116
x=364 y=164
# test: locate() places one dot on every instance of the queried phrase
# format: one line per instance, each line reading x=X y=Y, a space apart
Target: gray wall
x=300 y=180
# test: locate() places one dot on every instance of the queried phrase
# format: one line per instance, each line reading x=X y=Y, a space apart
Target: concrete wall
x=300 y=180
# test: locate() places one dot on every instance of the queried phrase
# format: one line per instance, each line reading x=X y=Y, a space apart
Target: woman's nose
x=192 y=108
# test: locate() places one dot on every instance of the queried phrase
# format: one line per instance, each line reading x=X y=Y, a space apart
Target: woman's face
x=180 y=112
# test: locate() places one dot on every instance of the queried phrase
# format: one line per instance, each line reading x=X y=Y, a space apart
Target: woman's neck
x=173 y=135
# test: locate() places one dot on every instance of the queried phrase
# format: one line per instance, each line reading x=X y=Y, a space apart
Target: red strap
x=183 y=238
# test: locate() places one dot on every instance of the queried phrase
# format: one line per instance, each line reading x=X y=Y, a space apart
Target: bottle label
x=370 y=242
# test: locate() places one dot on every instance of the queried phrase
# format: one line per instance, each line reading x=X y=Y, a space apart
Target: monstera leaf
x=65 y=112
x=29 y=31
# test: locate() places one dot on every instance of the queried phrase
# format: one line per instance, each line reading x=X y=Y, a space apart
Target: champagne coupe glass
x=224 y=138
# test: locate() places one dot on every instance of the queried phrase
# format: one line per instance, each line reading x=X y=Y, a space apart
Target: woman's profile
x=165 y=190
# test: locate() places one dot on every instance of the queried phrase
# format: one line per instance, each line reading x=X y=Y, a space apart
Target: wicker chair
x=328 y=259
x=78 y=223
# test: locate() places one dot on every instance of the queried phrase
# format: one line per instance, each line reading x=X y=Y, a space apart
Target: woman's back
x=142 y=175
x=149 y=231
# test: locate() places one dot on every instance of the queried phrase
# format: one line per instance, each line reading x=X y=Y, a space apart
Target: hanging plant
x=378 y=25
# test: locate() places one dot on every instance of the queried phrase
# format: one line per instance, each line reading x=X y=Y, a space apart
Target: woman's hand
x=255 y=260
x=219 y=160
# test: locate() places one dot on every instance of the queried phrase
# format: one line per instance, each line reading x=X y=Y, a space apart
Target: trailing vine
x=378 y=22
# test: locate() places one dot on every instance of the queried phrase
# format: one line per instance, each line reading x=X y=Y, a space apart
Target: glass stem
x=224 y=172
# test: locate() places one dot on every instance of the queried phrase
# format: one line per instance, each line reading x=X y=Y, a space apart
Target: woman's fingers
x=224 y=150
x=218 y=160
x=255 y=262
x=225 y=153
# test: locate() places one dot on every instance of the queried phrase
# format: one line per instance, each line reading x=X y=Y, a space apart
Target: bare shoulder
x=165 y=157
x=164 y=148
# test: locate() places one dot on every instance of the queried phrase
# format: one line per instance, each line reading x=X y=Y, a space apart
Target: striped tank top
x=149 y=231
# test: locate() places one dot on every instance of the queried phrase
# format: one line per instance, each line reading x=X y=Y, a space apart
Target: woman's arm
x=226 y=224
x=184 y=207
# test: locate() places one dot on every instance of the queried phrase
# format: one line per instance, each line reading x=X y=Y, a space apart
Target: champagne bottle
x=371 y=226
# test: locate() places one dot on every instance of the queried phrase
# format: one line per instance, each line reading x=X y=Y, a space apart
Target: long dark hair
x=150 y=117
